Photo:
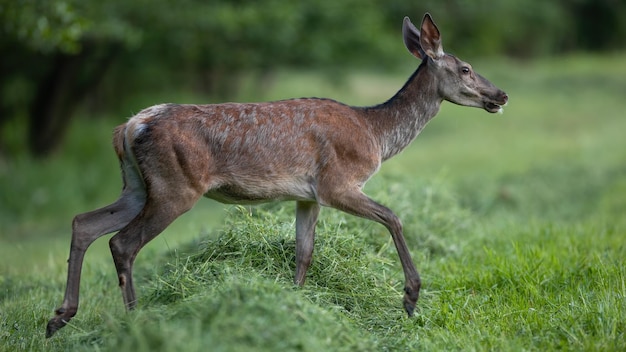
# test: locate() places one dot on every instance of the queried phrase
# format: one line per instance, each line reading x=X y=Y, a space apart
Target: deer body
x=317 y=152
x=252 y=153
x=259 y=152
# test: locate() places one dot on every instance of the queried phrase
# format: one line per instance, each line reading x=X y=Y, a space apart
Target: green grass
x=516 y=223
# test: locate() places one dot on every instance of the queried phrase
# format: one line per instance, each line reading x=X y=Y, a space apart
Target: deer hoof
x=409 y=307
x=410 y=299
x=55 y=324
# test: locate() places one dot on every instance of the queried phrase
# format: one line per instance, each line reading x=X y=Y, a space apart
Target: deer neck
x=400 y=119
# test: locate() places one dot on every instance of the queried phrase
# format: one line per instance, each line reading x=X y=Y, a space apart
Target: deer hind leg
x=156 y=215
x=306 y=218
x=86 y=228
x=357 y=203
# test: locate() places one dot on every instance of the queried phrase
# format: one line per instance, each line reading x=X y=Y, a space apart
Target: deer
x=314 y=151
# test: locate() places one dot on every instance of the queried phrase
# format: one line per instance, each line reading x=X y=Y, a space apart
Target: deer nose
x=505 y=97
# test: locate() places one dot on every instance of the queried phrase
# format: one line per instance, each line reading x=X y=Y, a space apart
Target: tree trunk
x=71 y=78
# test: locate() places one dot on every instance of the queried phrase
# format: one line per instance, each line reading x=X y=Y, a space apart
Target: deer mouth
x=492 y=107
x=495 y=104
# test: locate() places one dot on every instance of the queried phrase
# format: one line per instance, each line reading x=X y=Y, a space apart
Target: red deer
x=316 y=152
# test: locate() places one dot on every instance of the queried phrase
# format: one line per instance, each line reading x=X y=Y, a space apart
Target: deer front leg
x=357 y=203
x=306 y=218
x=86 y=228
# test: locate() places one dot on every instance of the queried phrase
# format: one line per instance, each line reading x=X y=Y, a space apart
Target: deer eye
x=465 y=70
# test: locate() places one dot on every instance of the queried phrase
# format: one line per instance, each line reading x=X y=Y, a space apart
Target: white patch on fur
x=501 y=110
x=440 y=52
x=136 y=124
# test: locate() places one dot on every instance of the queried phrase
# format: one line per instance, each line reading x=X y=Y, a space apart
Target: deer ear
x=430 y=39
x=411 y=36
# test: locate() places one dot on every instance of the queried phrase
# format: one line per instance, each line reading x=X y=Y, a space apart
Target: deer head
x=456 y=80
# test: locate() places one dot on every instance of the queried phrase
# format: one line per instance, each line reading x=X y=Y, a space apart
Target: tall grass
x=515 y=223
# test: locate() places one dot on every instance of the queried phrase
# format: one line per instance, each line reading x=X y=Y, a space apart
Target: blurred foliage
x=59 y=54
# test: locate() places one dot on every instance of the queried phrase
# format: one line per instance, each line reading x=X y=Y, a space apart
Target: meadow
x=516 y=222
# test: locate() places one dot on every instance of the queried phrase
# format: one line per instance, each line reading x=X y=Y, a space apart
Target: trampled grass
x=516 y=224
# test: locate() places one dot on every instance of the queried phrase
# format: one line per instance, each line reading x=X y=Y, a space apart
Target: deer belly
x=262 y=191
